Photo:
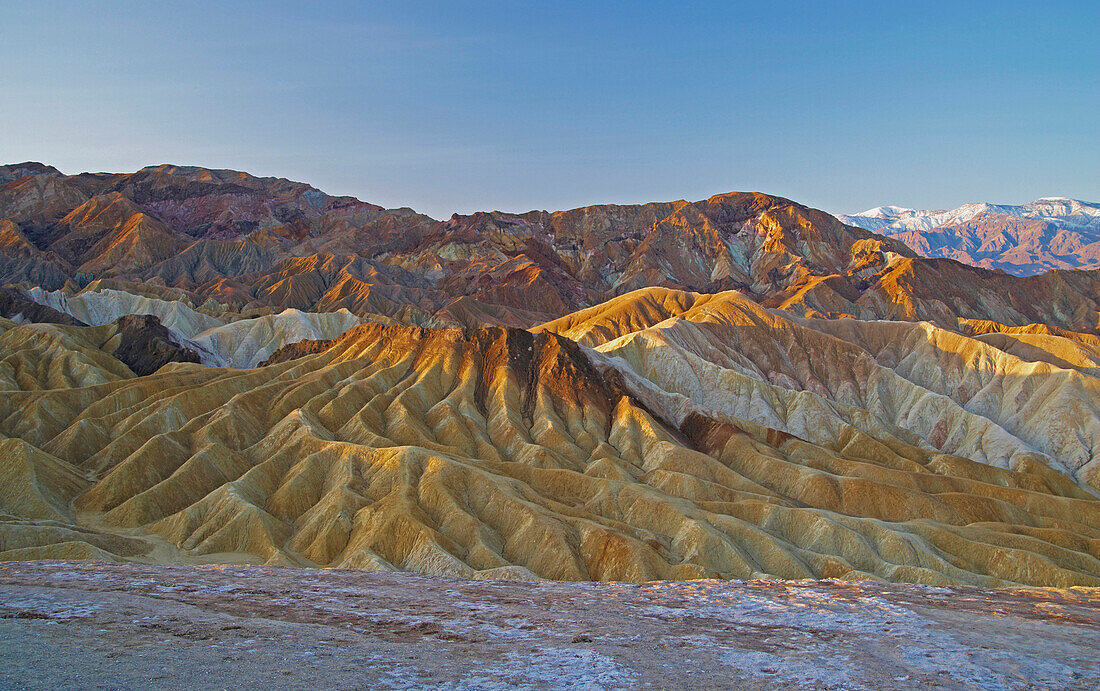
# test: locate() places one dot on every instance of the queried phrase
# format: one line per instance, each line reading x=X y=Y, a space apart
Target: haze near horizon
x=455 y=108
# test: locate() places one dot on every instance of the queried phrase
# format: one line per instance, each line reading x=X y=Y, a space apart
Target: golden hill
x=661 y=435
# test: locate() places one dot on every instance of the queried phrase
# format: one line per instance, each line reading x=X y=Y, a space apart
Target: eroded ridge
x=501 y=453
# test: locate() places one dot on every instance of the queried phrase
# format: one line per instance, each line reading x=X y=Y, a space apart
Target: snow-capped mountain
x=1024 y=239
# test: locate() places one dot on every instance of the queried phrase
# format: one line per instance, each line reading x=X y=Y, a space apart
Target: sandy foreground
x=103 y=625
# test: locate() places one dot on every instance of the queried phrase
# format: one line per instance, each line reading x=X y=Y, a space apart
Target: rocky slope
x=20 y=307
x=1024 y=240
x=250 y=244
x=661 y=435
x=144 y=345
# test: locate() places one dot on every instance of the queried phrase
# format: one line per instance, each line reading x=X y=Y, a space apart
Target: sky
x=455 y=106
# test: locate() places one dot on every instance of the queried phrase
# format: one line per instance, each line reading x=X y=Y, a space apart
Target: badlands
x=203 y=367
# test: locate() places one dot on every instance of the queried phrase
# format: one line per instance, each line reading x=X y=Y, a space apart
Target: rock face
x=21 y=307
x=16 y=171
x=145 y=345
x=725 y=356
x=248 y=342
x=97 y=307
x=1024 y=240
x=224 y=339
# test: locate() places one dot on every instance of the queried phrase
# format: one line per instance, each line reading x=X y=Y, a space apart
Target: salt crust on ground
x=69 y=624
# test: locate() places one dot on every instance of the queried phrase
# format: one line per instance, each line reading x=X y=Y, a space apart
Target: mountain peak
x=1022 y=239
x=14 y=171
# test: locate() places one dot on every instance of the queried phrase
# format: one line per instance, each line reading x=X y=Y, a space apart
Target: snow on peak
x=1062 y=210
x=886 y=212
x=997 y=235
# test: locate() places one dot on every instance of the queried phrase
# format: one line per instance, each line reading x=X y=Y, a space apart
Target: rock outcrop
x=145 y=345
x=21 y=307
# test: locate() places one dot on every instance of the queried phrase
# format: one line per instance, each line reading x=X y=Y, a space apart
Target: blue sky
x=506 y=105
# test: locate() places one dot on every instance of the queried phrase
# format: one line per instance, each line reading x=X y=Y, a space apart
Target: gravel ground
x=120 y=626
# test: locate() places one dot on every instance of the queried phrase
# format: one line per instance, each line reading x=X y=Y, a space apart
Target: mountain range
x=205 y=366
x=1024 y=240
x=256 y=245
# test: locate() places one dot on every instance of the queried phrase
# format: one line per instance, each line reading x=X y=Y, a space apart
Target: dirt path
x=97 y=625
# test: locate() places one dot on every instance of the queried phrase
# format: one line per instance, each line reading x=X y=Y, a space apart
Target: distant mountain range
x=1024 y=240
x=257 y=246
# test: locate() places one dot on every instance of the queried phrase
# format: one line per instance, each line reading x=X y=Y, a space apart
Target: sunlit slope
x=1040 y=342
x=728 y=357
x=501 y=453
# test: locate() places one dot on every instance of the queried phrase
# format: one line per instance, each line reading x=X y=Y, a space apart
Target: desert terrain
x=204 y=366
x=253 y=434
x=119 y=626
